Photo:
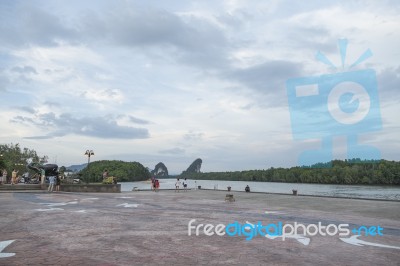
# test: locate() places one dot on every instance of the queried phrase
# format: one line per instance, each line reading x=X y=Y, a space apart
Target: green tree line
x=123 y=171
x=355 y=171
x=12 y=156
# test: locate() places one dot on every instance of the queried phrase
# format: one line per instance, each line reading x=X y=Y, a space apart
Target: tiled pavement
x=148 y=228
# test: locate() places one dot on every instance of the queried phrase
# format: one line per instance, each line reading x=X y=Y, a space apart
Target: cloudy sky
x=172 y=81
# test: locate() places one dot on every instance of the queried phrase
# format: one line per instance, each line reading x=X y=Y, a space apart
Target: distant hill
x=160 y=170
x=349 y=172
x=77 y=167
x=194 y=167
x=124 y=171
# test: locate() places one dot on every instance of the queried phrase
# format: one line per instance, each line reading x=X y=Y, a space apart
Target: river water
x=353 y=191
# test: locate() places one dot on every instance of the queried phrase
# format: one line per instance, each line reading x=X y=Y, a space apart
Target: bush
x=109 y=180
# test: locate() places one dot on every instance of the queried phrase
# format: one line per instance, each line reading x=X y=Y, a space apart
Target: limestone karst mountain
x=160 y=170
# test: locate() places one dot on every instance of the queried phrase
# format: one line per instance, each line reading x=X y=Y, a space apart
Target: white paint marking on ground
x=353 y=240
x=3 y=245
x=59 y=203
x=124 y=197
x=51 y=209
x=273 y=212
x=81 y=211
x=128 y=205
x=54 y=204
x=89 y=199
x=301 y=239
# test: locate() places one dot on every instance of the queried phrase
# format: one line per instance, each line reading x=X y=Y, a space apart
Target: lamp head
x=89 y=152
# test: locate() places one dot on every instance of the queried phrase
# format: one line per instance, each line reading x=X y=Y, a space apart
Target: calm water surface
x=356 y=191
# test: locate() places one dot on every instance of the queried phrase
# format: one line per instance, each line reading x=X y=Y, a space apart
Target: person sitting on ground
x=247 y=189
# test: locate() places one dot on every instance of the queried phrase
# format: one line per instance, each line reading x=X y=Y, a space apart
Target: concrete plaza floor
x=148 y=228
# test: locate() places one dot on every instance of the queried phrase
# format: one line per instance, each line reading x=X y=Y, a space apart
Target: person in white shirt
x=51 y=183
x=177 y=185
x=4 y=177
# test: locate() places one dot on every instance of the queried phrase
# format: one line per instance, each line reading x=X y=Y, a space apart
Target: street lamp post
x=2 y=166
x=88 y=153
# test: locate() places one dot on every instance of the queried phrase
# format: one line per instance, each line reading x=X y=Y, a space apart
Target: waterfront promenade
x=148 y=228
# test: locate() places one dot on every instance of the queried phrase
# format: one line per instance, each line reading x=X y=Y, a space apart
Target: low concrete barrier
x=9 y=187
x=114 y=188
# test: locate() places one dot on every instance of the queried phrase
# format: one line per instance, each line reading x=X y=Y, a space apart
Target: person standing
x=2 y=179
x=105 y=174
x=14 y=177
x=153 y=183
x=185 y=184
x=51 y=183
x=177 y=185
x=58 y=183
x=42 y=176
x=5 y=176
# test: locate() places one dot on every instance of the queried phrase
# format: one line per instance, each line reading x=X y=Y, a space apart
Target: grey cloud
x=48 y=119
x=267 y=81
x=25 y=24
x=64 y=124
x=236 y=19
x=100 y=127
x=191 y=40
x=24 y=70
x=22 y=120
x=138 y=120
x=389 y=84
x=303 y=37
x=51 y=104
x=4 y=81
x=39 y=137
x=267 y=77
x=193 y=135
x=38 y=121
x=152 y=26
x=26 y=109
x=173 y=151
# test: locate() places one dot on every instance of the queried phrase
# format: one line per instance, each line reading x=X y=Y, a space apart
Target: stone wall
x=20 y=186
x=115 y=188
